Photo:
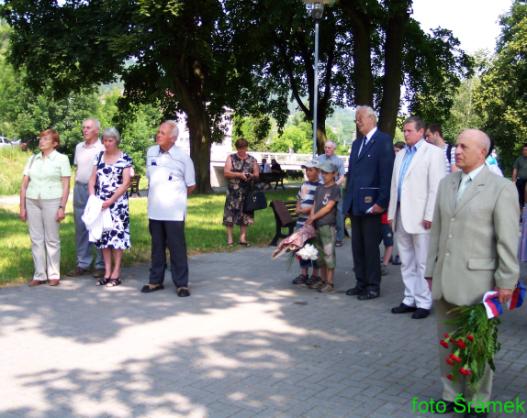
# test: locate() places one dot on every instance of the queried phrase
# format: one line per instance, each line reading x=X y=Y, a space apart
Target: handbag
x=254 y=200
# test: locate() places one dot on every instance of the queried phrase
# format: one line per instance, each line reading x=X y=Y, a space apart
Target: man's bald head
x=472 y=148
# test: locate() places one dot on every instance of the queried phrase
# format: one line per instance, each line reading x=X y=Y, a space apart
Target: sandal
x=113 y=282
x=102 y=282
x=245 y=244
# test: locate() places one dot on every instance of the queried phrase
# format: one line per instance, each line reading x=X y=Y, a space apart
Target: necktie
x=363 y=144
x=465 y=181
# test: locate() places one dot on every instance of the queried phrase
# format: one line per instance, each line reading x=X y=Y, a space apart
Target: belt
x=78 y=183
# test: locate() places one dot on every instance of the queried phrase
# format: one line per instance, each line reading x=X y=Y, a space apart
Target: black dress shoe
x=369 y=294
x=402 y=308
x=474 y=414
x=354 y=291
x=396 y=261
x=420 y=313
x=447 y=409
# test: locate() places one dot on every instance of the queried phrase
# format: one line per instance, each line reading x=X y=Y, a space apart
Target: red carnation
x=450 y=377
x=461 y=344
x=470 y=337
x=444 y=343
x=455 y=356
x=449 y=361
x=446 y=335
x=465 y=371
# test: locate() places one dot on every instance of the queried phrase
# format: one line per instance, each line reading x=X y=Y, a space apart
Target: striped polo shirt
x=306 y=196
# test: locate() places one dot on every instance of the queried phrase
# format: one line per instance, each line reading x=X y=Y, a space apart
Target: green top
x=521 y=165
x=45 y=175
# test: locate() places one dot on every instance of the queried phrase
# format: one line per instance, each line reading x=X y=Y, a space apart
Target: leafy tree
x=502 y=96
x=255 y=129
x=175 y=52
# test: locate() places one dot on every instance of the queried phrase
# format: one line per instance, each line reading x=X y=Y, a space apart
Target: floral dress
x=237 y=189
x=109 y=179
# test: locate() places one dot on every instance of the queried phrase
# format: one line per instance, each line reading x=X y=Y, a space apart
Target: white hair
x=174 y=132
x=481 y=136
x=368 y=111
x=112 y=133
x=95 y=121
x=330 y=144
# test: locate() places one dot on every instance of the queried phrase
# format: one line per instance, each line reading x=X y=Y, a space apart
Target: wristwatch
x=61 y=207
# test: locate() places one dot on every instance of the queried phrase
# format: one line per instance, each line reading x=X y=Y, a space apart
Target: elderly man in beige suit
x=417 y=171
x=473 y=246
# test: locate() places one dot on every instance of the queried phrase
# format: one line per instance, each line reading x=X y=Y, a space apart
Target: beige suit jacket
x=474 y=242
x=419 y=187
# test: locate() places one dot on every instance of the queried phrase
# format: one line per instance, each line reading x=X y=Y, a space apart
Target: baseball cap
x=310 y=164
x=328 y=167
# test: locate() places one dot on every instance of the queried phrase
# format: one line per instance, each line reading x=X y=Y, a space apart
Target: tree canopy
x=502 y=96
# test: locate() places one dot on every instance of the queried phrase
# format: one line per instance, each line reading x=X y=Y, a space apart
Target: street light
x=316 y=7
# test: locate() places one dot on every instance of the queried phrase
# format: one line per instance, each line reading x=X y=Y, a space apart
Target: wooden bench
x=277 y=178
x=134 y=185
x=285 y=217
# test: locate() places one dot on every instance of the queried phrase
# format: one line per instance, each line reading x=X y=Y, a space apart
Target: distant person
x=324 y=217
x=340 y=178
x=109 y=181
x=85 y=153
x=171 y=178
x=275 y=167
x=417 y=171
x=366 y=198
x=434 y=136
x=241 y=170
x=519 y=174
x=304 y=203
x=265 y=167
x=43 y=196
x=492 y=162
x=398 y=146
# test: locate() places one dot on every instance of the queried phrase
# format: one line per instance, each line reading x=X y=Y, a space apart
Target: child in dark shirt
x=324 y=217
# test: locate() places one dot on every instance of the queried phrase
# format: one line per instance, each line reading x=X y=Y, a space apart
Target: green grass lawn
x=204 y=233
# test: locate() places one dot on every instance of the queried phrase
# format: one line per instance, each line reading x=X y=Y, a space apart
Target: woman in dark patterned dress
x=109 y=182
x=240 y=170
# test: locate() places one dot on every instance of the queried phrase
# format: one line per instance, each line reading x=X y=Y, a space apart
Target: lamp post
x=316 y=8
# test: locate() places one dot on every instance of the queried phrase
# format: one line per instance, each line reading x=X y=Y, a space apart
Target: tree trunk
x=391 y=93
x=362 y=32
x=200 y=145
x=321 y=132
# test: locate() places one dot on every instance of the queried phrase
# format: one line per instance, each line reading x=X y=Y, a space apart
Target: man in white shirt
x=85 y=154
x=171 y=179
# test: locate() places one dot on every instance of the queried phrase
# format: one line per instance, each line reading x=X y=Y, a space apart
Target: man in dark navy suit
x=367 y=197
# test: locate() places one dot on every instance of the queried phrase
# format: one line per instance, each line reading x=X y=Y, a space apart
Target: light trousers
x=452 y=389
x=45 y=239
x=84 y=246
x=413 y=251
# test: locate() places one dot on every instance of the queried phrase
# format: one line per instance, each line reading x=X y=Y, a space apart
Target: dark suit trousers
x=171 y=235
x=365 y=235
x=520 y=185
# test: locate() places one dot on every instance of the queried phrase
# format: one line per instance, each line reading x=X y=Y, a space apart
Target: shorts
x=387 y=235
x=325 y=243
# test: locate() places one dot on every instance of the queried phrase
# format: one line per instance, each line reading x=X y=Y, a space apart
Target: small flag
x=493 y=306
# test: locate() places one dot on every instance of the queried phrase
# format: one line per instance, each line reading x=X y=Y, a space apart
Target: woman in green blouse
x=43 y=197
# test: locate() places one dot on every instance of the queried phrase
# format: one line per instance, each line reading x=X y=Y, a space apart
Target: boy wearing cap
x=304 y=203
x=324 y=217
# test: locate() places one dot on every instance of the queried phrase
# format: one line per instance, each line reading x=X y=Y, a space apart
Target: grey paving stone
x=240 y=347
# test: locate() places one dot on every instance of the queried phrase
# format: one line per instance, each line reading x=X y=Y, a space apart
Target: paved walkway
x=246 y=344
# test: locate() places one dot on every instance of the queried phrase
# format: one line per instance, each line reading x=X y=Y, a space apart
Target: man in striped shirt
x=434 y=136
x=304 y=203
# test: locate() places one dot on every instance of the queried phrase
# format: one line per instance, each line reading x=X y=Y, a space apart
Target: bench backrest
x=284 y=211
